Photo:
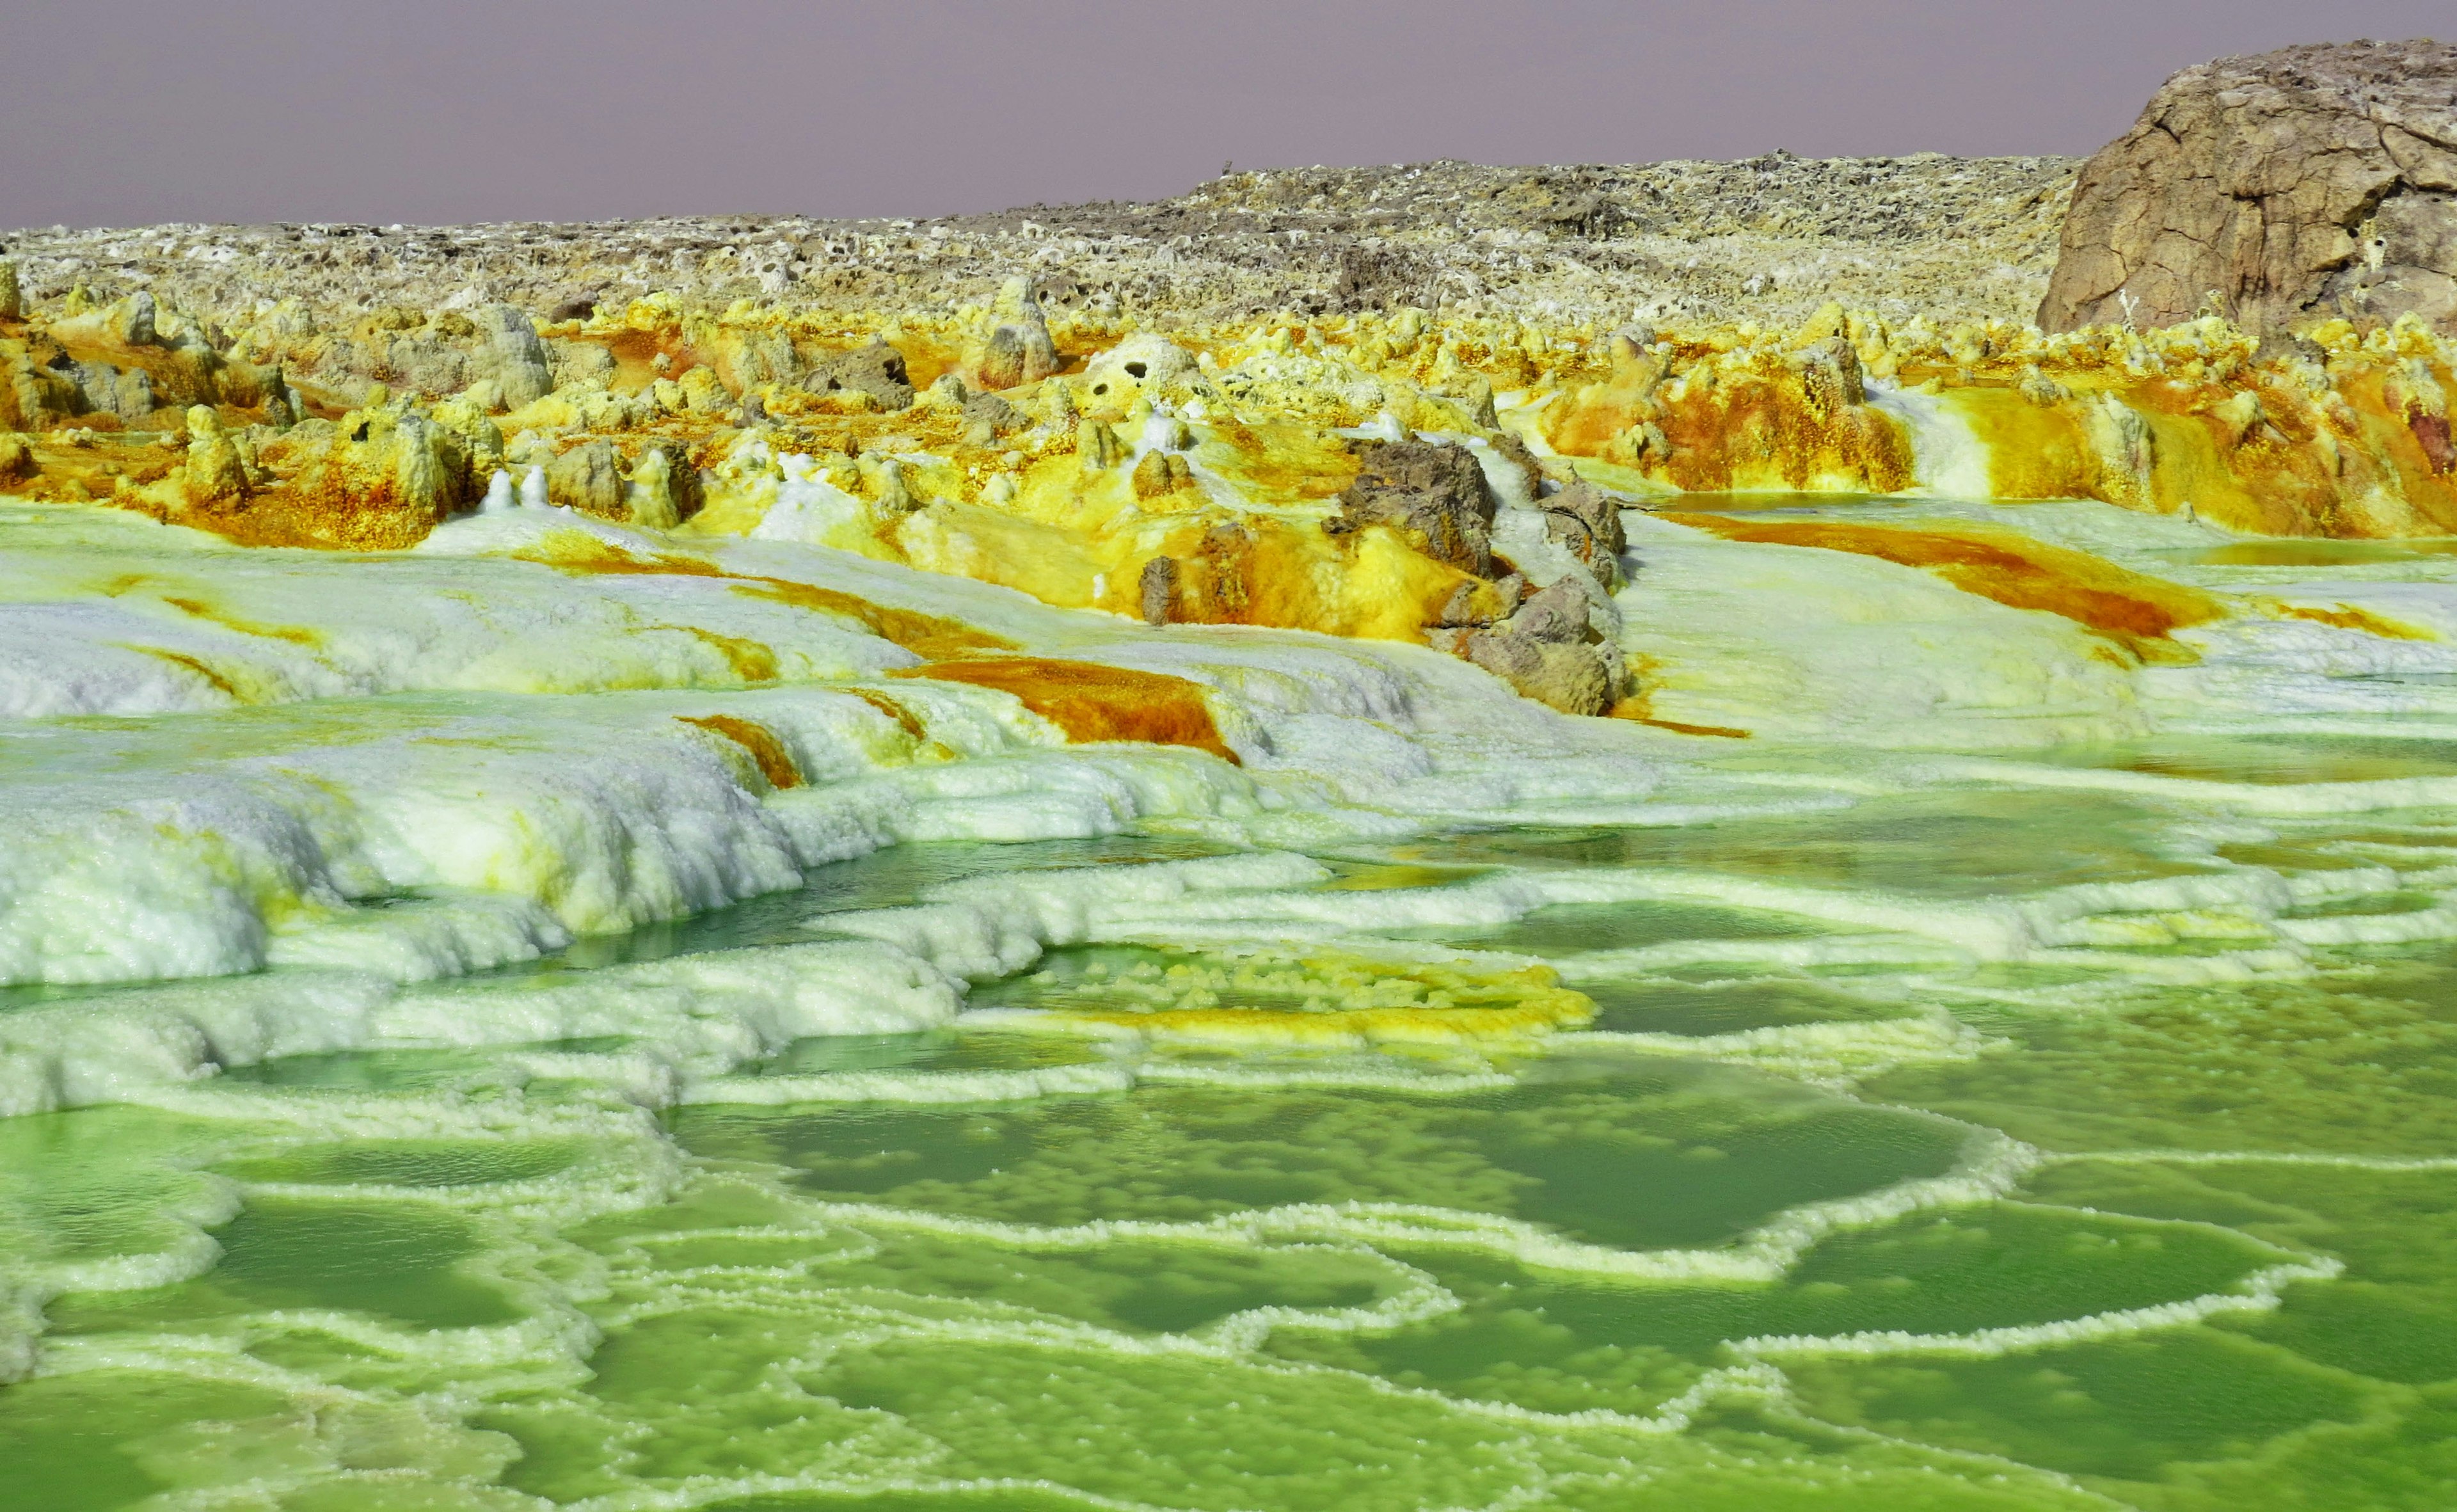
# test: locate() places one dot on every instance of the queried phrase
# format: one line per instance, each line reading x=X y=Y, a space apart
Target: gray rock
x=1558 y=614
x=1587 y=521
x=1572 y=678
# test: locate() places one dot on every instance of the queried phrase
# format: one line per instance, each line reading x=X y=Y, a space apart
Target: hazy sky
x=131 y=111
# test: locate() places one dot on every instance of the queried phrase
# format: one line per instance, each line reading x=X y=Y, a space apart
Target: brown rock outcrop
x=1434 y=494
x=2306 y=183
x=1546 y=651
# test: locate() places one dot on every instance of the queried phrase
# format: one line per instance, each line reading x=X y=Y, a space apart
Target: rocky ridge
x=1768 y=239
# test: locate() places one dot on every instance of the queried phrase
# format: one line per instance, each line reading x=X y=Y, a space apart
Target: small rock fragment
x=1158 y=589
x=1161 y=472
x=1096 y=446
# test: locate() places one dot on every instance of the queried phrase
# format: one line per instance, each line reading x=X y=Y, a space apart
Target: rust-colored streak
x=200 y=610
x=775 y=763
x=750 y=661
x=575 y=551
x=904 y=717
x=923 y=634
x=1094 y=702
x=190 y=663
x=1639 y=708
x=930 y=636
x=1721 y=731
x=2346 y=616
x=2137 y=612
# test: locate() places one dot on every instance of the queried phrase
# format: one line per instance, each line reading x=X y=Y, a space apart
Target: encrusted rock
x=1017 y=349
x=890 y=493
x=1096 y=448
x=12 y=299
x=877 y=370
x=1159 y=590
x=583 y=363
x=1161 y=472
x=216 y=476
x=513 y=356
x=589 y=478
x=131 y=320
x=380 y=481
x=1143 y=360
x=1829 y=374
x=2294 y=185
x=664 y=488
x=1433 y=492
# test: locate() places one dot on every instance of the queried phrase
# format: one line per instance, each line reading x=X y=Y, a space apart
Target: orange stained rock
x=1091 y=701
x=2135 y=611
x=1749 y=430
x=1278 y=464
x=769 y=753
x=1371 y=585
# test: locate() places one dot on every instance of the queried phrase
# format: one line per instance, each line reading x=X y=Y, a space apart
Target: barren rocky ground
x=1767 y=239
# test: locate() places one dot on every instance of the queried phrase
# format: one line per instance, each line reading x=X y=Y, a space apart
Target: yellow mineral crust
x=1198 y=471
x=1328 y=1000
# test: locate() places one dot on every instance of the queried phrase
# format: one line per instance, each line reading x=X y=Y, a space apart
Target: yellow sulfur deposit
x=1320 y=1000
x=1388 y=471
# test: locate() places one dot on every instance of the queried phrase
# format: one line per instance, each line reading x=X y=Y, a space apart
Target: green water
x=2219 y=1272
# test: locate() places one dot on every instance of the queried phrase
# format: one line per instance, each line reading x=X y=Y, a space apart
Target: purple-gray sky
x=129 y=112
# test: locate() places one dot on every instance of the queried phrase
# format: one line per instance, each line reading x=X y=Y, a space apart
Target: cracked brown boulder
x=2294 y=186
x=1434 y=494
